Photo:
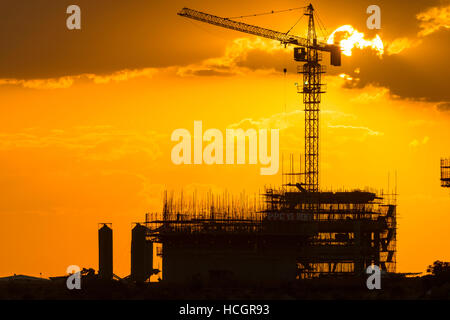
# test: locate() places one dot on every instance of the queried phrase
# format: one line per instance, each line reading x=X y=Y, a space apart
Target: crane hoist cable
x=322 y=26
x=266 y=13
x=290 y=29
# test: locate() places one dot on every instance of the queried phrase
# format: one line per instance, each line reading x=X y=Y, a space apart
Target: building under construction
x=290 y=234
x=445 y=173
x=294 y=232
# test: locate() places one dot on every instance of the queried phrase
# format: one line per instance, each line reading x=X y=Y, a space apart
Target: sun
x=351 y=38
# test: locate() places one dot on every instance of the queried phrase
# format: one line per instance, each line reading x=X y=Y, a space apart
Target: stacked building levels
x=291 y=234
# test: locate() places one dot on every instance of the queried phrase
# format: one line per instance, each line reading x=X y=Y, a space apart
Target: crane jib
x=262 y=32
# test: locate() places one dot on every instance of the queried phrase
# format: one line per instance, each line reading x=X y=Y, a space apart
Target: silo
x=141 y=254
x=105 y=252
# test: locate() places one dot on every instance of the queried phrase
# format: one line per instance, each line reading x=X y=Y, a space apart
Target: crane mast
x=312 y=90
x=307 y=50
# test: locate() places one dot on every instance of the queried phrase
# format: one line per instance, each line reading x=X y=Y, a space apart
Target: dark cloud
x=443 y=106
x=115 y=35
x=259 y=59
x=135 y=34
x=418 y=73
x=207 y=73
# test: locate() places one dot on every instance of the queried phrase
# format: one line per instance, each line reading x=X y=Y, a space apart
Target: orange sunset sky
x=86 y=117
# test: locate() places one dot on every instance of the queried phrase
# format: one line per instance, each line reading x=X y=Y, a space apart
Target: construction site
x=445 y=173
x=295 y=231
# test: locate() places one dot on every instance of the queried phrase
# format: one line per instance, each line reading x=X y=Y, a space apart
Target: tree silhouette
x=439 y=269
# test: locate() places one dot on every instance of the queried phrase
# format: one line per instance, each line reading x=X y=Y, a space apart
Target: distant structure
x=445 y=173
x=23 y=278
x=105 y=251
x=141 y=254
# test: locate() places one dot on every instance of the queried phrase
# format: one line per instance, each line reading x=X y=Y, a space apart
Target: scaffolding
x=300 y=234
x=353 y=229
x=445 y=173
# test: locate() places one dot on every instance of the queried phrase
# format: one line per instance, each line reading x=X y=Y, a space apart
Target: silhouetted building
x=141 y=254
x=105 y=252
x=293 y=234
x=23 y=278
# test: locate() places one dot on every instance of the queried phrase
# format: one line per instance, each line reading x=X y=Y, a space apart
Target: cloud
x=202 y=72
x=114 y=35
x=337 y=124
x=67 y=82
x=280 y=121
x=286 y=120
x=122 y=75
x=419 y=73
x=371 y=95
x=434 y=19
x=413 y=66
x=93 y=143
x=430 y=21
x=400 y=44
x=367 y=131
x=420 y=123
x=443 y=106
x=241 y=56
x=419 y=142
x=410 y=56
x=58 y=83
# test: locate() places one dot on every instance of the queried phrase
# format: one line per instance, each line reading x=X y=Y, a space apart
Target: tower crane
x=307 y=50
